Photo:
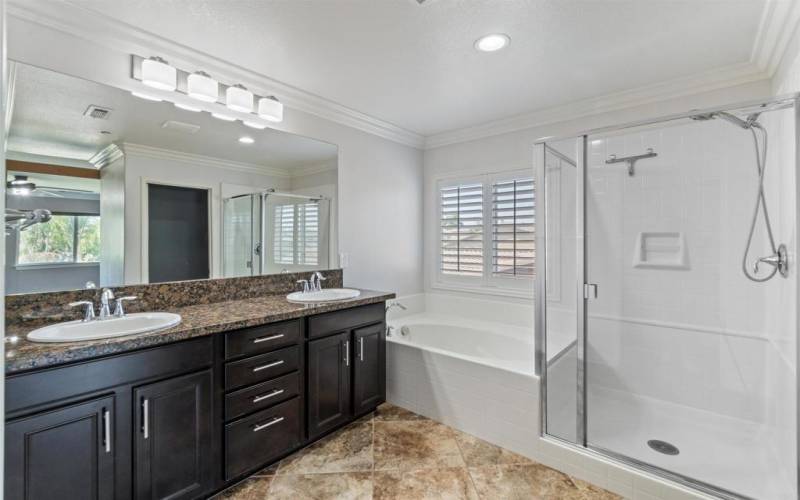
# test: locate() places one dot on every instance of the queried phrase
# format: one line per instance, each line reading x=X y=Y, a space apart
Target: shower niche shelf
x=660 y=250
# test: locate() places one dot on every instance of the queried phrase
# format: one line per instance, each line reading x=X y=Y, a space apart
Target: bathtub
x=458 y=366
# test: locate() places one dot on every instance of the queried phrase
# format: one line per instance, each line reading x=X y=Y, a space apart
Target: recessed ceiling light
x=492 y=42
x=246 y=139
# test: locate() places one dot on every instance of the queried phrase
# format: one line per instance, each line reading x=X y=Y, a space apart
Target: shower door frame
x=540 y=150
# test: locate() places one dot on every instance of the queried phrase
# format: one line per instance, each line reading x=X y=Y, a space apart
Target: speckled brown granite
x=198 y=320
x=35 y=309
x=345 y=465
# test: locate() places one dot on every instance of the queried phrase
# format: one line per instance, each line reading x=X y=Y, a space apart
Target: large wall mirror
x=106 y=188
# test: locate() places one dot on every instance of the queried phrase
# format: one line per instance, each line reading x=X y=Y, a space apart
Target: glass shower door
x=241 y=241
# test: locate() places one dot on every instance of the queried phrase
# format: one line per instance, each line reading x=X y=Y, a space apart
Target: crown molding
x=779 y=21
x=110 y=32
x=680 y=87
x=314 y=168
x=207 y=161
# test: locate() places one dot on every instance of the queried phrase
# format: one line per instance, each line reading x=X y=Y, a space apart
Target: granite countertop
x=198 y=321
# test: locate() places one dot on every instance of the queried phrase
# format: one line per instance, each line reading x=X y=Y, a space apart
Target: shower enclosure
x=667 y=296
x=269 y=232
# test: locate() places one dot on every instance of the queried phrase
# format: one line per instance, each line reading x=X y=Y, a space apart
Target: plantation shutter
x=462 y=229
x=513 y=228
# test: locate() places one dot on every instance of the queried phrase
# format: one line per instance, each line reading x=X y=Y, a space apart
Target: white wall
x=379 y=181
x=112 y=224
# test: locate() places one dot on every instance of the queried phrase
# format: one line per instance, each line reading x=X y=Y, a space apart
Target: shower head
x=751 y=121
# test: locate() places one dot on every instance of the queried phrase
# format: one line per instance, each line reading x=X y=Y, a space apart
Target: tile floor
x=396 y=454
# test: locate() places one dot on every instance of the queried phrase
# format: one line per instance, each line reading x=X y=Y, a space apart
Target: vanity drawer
x=261 y=396
x=261 y=339
x=255 y=440
x=260 y=368
x=338 y=321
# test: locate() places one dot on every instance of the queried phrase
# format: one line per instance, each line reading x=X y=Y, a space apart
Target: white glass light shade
x=256 y=125
x=187 y=108
x=239 y=98
x=158 y=74
x=225 y=118
x=202 y=87
x=146 y=97
x=270 y=108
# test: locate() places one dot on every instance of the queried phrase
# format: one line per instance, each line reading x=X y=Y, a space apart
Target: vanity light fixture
x=158 y=74
x=255 y=125
x=225 y=118
x=186 y=107
x=146 y=97
x=246 y=139
x=270 y=108
x=238 y=98
x=492 y=42
x=200 y=86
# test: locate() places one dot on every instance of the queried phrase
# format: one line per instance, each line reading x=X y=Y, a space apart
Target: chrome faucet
x=119 y=312
x=315 y=282
x=88 y=312
x=105 y=296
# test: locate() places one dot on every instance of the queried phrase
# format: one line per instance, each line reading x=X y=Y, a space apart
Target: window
x=462 y=229
x=487 y=230
x=513 y=235
x=296 y=228
x=64 y=239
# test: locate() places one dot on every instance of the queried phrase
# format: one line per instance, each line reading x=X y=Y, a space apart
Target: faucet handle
x=88 y=313
x=118 y=310
x=305 y=285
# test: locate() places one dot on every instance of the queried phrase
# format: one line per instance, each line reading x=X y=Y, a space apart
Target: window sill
x=500 y=292
x=31 y=267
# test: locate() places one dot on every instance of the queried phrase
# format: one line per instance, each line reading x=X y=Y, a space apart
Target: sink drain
x=663 y=447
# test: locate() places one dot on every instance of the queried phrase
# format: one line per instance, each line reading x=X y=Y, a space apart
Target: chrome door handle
x=146 y=418
x=268 y=365
x=272 y=422
x=347 y=353
x=107 y=430
x=272 y=394
x=267 y=339
x=361 y=349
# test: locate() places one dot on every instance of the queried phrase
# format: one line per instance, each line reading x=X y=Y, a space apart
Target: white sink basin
x=327 y=295
x=131 y=324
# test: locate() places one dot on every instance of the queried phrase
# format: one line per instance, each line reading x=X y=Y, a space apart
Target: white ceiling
x=414 y=65
x=48 y=120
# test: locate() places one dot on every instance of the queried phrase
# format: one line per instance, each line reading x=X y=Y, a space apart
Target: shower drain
x=663 y=447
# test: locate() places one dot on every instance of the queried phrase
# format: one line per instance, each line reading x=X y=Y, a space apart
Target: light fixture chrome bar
x=631 y=160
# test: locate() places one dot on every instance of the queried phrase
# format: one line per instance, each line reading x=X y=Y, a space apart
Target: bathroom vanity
x=200 y=410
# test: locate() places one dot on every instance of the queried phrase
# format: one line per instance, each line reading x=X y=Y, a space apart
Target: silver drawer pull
x=268 y=365
x=107 y=430
x=272 y=394
x=272 y=422
x=267 y=339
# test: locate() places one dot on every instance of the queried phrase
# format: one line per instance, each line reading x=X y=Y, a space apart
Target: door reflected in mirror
x=106 y=189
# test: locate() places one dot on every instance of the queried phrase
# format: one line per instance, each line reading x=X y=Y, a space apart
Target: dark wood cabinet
x=172 y=451
x=329 y=361
x=369 y=380
x=63 y=453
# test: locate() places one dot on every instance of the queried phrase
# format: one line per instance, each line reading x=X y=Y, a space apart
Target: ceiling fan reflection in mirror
x=20 y=185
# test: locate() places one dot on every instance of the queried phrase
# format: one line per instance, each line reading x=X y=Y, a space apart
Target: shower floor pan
x=718 y=450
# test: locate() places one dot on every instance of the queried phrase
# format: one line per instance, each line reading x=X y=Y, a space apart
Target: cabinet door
x=172 y=456
x=63 y=453
x=329 y=361
x=369 y=374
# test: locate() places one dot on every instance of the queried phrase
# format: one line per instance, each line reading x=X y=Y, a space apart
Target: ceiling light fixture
x=238 y=98
x=245 y=139
x=20 y=186
x=492 y=42
x=146 y=97
x=186 y=107
x=256 y=125
x=270 y=108
x=200 y=86
x=225 y=118
x=158 y=74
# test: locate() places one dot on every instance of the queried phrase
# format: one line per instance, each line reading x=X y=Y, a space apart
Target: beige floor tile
x=348 y=450
x=389 y=412
x=339 y=486
x=478 y=453
x=253 y=488
x=532 y=482
x=427 y=484
x=419 y=444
